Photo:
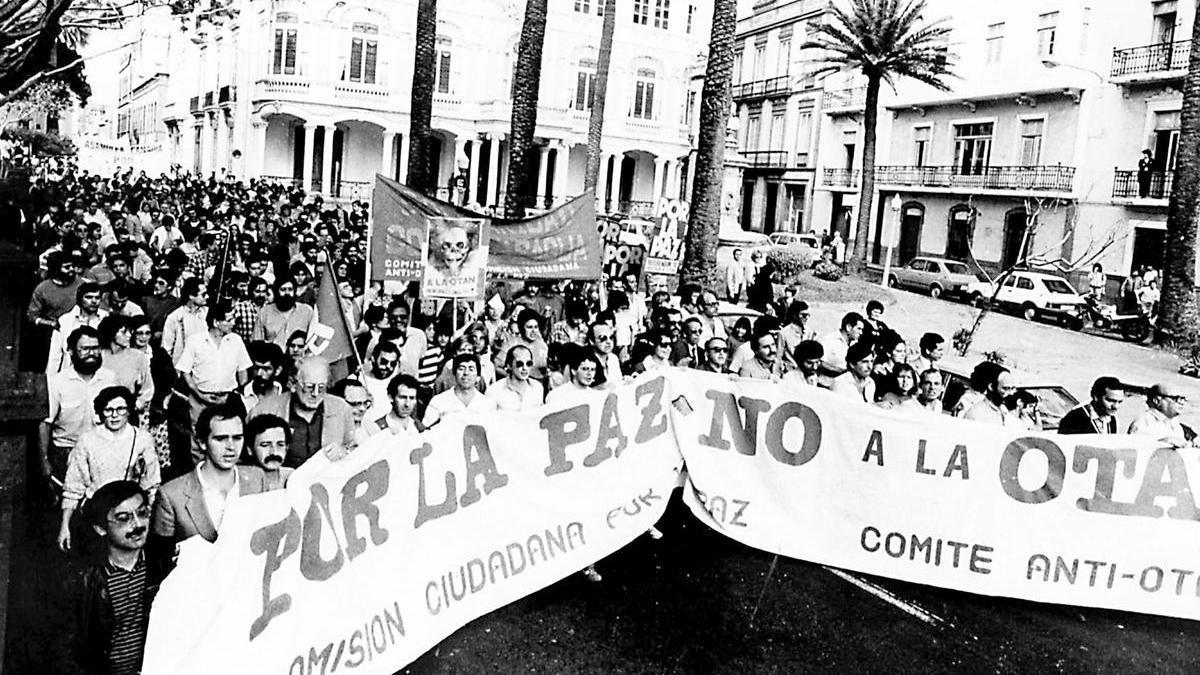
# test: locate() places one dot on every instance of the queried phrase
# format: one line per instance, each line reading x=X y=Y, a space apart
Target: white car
x=1033 y=295
x=793 y=240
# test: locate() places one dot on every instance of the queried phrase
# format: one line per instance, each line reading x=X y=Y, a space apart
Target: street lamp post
x=889 y=236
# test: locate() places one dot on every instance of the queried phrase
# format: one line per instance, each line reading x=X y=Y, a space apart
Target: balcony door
x=972 y=148
x=1166 y=140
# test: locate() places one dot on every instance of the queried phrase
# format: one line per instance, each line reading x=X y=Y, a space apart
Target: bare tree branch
x=38 y=77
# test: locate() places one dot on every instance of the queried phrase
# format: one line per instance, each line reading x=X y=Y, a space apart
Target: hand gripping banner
x=366 y=563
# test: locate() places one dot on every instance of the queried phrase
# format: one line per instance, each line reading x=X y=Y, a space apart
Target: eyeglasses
x=118 y=410
x=522 y=364
x=126 y=517
x=455 y=245
x=88 y=350
x=719 y=349
x=665 y=344
x=366 y=403
x=312 y=387
x=604 y=338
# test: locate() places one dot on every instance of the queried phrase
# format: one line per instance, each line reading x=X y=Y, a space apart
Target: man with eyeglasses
x=115 y=591
x=71 y=393
x=795 y=331
x=517 y=391
x=716 y=357
x=1165 y=402
x=687 y=351
x=602 y=340
x=319 y=421
x=355 y=394
x=384 y=361
x=710 y=321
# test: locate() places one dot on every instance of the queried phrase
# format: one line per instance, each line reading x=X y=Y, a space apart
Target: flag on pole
x=330 y=337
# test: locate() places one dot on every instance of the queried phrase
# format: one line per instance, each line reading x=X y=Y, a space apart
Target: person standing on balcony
x=1145 y=166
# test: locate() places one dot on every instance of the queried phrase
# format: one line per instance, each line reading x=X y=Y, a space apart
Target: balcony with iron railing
x=775 y=159
x=1051 y=179
x=1150 y=187
x=842 y=178
x=842 y=101
x=208 y=99
x=227 y=94
x=775 y=86
x=1151 y=63
x=194 y=105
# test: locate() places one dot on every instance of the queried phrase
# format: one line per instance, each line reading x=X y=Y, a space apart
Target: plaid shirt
x=244 y=315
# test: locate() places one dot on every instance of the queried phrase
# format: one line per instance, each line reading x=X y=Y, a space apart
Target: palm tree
x=420 y=174
x=1178 y=316
x=716 y=98
x=599 y=96
x=526 y=83
x=883 y=39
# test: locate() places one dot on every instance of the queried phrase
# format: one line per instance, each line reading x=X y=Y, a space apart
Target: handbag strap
x=132 y=448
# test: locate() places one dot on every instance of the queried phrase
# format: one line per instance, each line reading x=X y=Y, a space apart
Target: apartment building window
x=364 y=53
x=444 y=49
x=1046 y=33
x=737 y=66
x=283 y=57
x=585 y=84
x=1085 y=29
x=1165 y=17
x=691 y=18
x=643 y=94
x=753 y=130
x=662 y=12
x=804 y=127
x=972 y=147
x=921 y=136
x=760 y=61
x=1166 y=140
x=585 y=6
x=1031 y=142
x=689 y=108
x=995 y=42
x=777 y=131
x=641 y=12
x=785 y=58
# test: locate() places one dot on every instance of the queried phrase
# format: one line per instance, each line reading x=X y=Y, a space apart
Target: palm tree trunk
x=420 y=175
x=700 y=249
x=867 y=194
x=599 y=96
x=528 y=79
x=1178 y=315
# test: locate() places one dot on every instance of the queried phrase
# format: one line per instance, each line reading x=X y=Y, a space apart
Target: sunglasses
x=522 y=364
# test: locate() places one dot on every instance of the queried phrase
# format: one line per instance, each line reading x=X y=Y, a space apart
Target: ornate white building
x=318 y=92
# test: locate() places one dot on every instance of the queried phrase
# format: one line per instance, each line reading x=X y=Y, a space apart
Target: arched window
x=283 y=56
x=960 y=232
x=441 y=60
x=643 y=94
x=585 y=84
x=364 y=53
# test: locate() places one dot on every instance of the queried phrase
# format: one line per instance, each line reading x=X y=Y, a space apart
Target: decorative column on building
x=691 y=169
x=327 y=160
x=493 y=176
x=221 y=129
x=541 y=191
x=731 y=184
x=660 y=170
x=385 y=165
x=602 y=183
x=562 y=165
x=458 y=177
x=618 y=166
x=310 y=137
x=258 y=150
x=473 y=176
x=403 y=168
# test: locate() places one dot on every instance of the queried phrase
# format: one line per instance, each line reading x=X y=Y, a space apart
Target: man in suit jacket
x=1098 y=416
x=195 y=503
x=317 y=419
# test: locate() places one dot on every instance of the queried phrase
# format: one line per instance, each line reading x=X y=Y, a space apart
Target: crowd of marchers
x=175 y=319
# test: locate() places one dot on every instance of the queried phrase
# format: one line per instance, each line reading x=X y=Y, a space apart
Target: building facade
x=317 y=93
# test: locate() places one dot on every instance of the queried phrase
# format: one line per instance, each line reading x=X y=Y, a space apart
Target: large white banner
x=368 y=562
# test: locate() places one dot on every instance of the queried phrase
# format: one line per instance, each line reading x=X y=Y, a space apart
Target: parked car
x=793 y=240
x=937 y=276
x=1054 y=400
x=1034 y=295
x=748 y=242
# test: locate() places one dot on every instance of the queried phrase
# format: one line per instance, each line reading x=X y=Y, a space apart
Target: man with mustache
x=278 y=320
x=115 y=591
x=267 y=438
x=86 y=312
x=71 y=393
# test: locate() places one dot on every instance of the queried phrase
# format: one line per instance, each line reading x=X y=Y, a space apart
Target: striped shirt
x=127 y=592
x=429 y=365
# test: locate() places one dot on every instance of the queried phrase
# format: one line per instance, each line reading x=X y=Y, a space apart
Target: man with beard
x=384 y=361
x=991 y=409
x=194 y=503
x=115 y=591
x=277 y=321
x=51 y=299
x=87 y=312
x=807 y=357
x=318 y=420
x=266 y=366
x=71 y=393
x=267 y=438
